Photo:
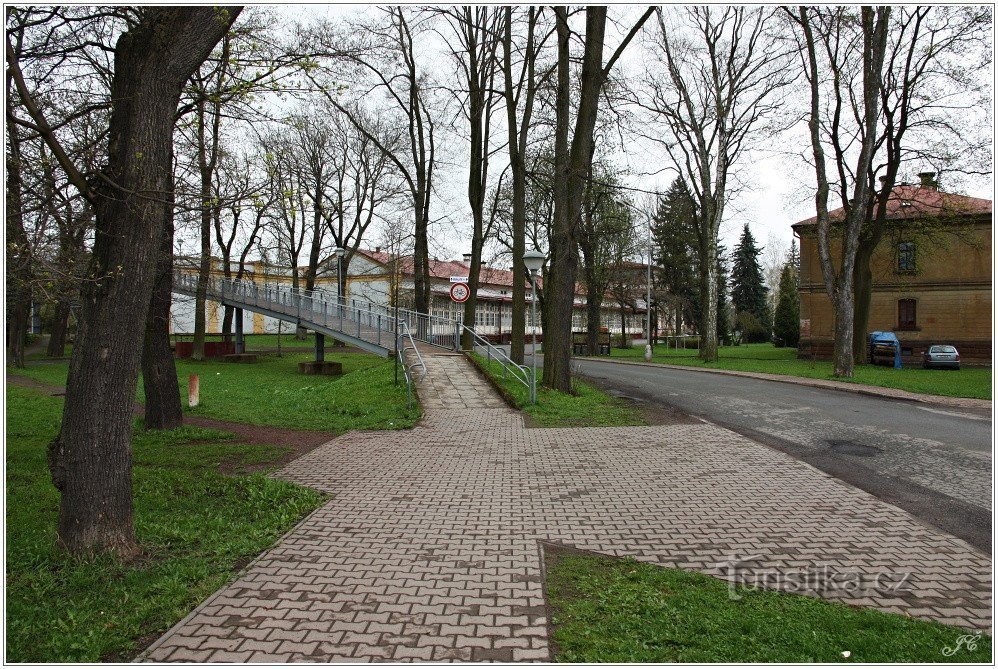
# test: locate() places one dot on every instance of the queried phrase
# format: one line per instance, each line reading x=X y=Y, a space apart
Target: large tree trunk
x=159 y=372
x=91 y=459
x=560 y=286
x=863 y=296
x=842 y=353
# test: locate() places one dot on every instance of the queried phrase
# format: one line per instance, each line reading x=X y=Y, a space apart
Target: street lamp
x=533 y=261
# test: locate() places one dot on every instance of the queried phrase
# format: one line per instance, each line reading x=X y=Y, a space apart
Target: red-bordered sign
x=459 y=292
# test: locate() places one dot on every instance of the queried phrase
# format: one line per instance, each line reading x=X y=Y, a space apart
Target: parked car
x=941 y=356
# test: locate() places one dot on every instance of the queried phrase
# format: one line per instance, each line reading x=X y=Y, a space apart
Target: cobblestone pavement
x=429 y=547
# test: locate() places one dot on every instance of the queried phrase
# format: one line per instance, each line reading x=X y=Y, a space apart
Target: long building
x=932 y=276
x=378 y=277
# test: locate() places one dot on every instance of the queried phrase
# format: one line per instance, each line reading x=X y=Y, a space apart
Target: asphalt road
x=934 y=462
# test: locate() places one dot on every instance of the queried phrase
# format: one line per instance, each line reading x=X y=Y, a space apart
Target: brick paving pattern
x=429 y=547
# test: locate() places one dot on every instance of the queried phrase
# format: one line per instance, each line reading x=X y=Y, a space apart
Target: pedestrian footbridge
x=377 y=328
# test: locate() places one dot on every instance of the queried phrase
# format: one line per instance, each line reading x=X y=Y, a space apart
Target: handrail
x=407 y=370
x=504 y=360
x=362 y=322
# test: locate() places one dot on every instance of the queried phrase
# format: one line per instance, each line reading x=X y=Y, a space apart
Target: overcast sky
x=776 y=183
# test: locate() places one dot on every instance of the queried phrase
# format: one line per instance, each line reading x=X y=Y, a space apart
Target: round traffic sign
x=459 y=292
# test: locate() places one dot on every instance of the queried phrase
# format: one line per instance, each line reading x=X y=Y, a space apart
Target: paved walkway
x=429 y=547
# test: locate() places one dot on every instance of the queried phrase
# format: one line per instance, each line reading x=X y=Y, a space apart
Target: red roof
x=911 y=202
x=444 y=269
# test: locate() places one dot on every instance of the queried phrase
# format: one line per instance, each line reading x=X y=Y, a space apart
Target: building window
x=906 y=257
x=906 y=314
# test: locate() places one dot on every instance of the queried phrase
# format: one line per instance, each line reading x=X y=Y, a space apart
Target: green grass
x=272 y=392
x=607 y=610
x=196 y=526
x=587 y=407
x=967 y=382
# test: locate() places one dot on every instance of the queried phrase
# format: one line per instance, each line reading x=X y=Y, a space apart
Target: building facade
x=932 y=278
x=378 y=277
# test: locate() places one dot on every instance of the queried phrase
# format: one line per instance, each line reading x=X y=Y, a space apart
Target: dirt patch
x=654 y=412
x=26 y=382
x=296 y=442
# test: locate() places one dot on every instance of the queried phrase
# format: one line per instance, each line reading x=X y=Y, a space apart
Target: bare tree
x=238 y=222
x=91 y=460
x=927 y=94
x=843 y=63
x=384 y=56
x=365 y=180
x=723 y=75
x=519 y=97
x=572 y=165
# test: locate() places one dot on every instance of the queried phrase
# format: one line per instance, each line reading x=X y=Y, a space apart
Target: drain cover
x=849 y=447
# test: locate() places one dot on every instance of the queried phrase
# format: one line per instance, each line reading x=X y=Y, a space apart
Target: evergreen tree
x=674 y=232
x=786 y=322
x=793 y=259
x=748 y=289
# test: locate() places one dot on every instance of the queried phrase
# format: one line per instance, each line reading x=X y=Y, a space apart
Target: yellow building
x=931 y=276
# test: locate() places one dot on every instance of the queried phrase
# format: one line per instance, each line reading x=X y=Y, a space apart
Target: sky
x=776 y=183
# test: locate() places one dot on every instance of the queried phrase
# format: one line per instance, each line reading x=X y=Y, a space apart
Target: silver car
x=941 y=356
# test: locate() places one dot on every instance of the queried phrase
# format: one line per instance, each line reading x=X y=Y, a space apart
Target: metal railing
x=520 y=373
x=363 y=322
x=402 y=346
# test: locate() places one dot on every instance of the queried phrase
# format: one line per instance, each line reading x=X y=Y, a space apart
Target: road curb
x=856 y=389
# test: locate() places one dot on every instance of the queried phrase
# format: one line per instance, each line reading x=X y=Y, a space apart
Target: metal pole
x=533 y=337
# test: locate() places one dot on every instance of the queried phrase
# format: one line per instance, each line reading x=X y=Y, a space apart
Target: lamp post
x=533 y=261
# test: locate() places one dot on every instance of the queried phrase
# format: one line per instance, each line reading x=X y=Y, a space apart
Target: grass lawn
x=607 y=610
x=966 y=382
x=196 y=526
x=588 y=407
x=272 y=392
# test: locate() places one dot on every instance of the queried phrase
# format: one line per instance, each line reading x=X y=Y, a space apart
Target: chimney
x=466 y=257
x=928 y=180
x=377 y=249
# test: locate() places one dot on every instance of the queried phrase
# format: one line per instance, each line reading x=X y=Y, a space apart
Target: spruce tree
x=748 y=289
x=786 y=322
x=673 y=229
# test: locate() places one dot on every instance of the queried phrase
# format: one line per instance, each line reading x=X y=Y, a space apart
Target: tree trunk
x=60 y=325
x=863 y=296
x=560 y=286
x=159 y=372
x=18 y=250
x=708 y=300
x=517 y=144
x=91 y=459
x=842 y=355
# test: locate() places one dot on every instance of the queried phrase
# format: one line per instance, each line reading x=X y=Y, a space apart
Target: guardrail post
x=379 y=329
